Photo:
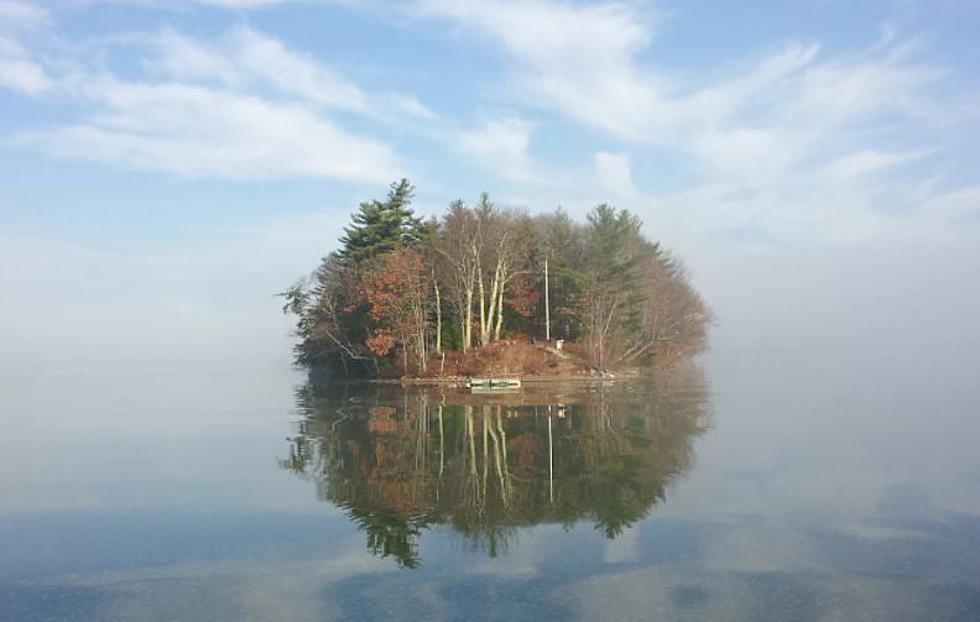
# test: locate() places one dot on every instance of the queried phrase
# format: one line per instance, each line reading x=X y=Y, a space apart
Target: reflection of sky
x=827 y=489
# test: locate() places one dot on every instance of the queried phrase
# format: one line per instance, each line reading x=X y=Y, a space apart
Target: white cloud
x=244 y=58
x=22 y=75
x=408 y=105
x=242 y=107
x=763 y=143
x=199 y=131
x=578 y=59
x=615 y=173
x=868 y=161
x=22 y=15
x=500 y=145
x=242 y=4
x=175 y=5
x=19 y=72
x=584 y=60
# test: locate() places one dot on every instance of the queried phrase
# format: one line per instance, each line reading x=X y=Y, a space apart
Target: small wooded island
x=487 y=290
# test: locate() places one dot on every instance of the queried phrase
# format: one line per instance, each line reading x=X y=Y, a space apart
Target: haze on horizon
x=167 y=168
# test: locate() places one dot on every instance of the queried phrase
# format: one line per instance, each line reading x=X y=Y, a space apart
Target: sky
x=167 y=167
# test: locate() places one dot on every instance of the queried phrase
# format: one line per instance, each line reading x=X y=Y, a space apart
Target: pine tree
x=381 y=226
x=613 y=280
x=564 y=246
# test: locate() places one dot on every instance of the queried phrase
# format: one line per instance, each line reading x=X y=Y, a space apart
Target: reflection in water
x=399 y=461
x=828 y=490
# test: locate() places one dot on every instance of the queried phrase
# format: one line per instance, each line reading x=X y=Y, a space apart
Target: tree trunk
x=500 y=312
x=487 y=333
x=435 y=286
x=468 y=321
x=547 y=305
x=483 y=308
x=478 y=278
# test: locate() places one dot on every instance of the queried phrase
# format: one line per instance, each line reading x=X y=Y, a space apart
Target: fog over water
x=832 y=481
x=212 y=304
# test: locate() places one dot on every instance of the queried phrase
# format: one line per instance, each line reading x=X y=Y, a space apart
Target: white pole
x=547 y=305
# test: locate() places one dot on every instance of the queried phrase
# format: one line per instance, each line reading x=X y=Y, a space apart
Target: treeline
x=401 y=290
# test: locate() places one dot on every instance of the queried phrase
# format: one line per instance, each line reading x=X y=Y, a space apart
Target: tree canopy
x=379 y=227
x=399 y=291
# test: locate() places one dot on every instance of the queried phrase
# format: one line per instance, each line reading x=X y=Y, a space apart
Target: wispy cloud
x=241 y=4
x=233 y=5
x=243 y=107
x=245 y=59
x=867 y=162
x=577 y=58
x=501 y=146
x=15 y=14
x=584 y=61
x=802 y=138
x=199 y=131
x=18 y=72
x=767 y=140
x=615 y=173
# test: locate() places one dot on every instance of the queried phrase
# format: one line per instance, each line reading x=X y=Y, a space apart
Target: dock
x=490 y=383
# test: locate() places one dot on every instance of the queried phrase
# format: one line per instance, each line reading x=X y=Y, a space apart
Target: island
x=490 y=291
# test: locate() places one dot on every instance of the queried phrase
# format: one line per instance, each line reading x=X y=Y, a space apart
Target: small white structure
x=493 y=384
x=559 y=343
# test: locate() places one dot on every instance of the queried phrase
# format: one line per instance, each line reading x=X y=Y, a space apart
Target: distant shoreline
x=525 y=379
x=461 y=381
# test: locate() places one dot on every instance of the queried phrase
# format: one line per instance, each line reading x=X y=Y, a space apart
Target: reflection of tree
x=389 y=534
x=399 y=461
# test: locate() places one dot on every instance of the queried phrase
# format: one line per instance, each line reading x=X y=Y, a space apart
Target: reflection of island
x=399 y=461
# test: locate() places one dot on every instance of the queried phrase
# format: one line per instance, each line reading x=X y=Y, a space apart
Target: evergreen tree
x=613 y=280
x=563 y=241
x=380 y=226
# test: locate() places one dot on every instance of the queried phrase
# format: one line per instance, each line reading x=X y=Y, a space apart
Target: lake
x=747 y=485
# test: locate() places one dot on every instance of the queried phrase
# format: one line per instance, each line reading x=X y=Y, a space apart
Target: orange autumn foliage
x=392 y=290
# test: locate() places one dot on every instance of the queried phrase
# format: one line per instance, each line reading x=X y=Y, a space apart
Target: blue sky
x=166 y=166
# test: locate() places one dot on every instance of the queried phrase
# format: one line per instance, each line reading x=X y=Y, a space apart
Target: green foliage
x=614 y=251
x=480 y=273
x=389 y=535
x=613 y=281
x=563 y=244
x=381 y=226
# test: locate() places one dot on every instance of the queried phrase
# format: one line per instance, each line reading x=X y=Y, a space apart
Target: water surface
x=766 y=486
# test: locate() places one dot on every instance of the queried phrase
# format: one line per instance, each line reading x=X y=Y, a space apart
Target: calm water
x=765 y=486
